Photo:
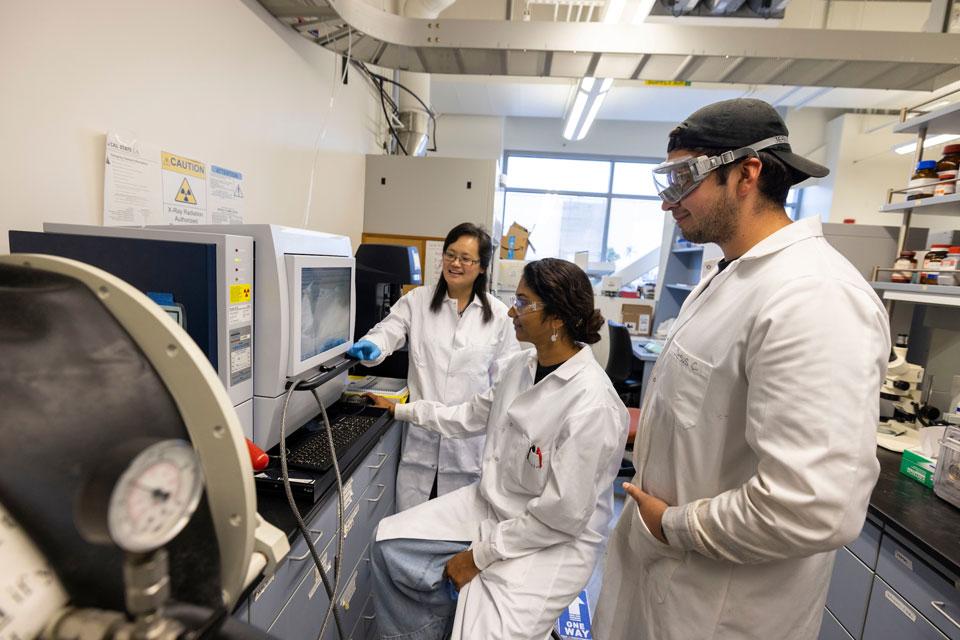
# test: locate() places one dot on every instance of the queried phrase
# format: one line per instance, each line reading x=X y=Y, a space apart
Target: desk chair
x=620 y=364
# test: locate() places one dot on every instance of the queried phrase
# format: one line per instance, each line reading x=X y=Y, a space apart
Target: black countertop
x=915 y=512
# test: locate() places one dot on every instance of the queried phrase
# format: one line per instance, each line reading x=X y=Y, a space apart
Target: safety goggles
x=676 y=179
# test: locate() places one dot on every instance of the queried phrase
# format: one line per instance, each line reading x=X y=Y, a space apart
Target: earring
x=553 y=338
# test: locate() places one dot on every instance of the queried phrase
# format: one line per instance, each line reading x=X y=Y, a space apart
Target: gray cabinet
x=867 y=546
x=849 y=591
x=891 y=617
x=928 y=587
x=910 y=597
x=291 y=604
x=831 y=629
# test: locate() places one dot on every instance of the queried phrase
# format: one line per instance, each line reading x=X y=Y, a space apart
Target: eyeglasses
x=524 y=306
x=451 y=257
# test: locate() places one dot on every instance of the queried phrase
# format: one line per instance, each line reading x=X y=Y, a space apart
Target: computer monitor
x=322 y=304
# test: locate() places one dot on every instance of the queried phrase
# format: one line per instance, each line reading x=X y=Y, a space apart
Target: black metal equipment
x=382 y=271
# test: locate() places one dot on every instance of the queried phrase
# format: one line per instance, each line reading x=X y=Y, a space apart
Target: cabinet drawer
x=366 y=628
x=889 y=617
x=302 y=616
x=867 y=545
x=242 y=613
x=830 y=629
x=927 y=587
x=268 y=599
x=849 y=591
x=353 y=595
x=374 y=465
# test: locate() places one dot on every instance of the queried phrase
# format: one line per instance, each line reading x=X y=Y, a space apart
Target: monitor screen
x=324 y=309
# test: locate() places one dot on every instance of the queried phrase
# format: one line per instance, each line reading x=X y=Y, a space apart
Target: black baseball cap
x=732 y=124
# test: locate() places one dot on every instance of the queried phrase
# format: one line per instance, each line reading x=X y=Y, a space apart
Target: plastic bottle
x=923 y=182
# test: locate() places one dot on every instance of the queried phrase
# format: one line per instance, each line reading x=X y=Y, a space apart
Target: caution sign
x=185 y=195
x=574 y=622
x=184 y=189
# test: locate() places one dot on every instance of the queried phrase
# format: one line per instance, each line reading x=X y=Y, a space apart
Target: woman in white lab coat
x=522 y=542
x=454 y=331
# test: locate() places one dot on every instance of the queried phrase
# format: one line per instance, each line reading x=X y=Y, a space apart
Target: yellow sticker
x=183 y=165
x=185 y=193
x=240 y=293
x=667 y=83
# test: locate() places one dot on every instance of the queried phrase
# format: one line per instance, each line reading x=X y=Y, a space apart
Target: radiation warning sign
x=185 y=195
x=184 y=189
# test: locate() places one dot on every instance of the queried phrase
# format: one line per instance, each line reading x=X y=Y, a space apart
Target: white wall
x=474 y=137
x=217 y=80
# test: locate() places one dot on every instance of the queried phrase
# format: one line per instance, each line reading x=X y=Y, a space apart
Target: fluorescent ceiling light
x=932 y=141
x=586 y=105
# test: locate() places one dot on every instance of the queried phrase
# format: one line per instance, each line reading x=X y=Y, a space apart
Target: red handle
x=258 y=458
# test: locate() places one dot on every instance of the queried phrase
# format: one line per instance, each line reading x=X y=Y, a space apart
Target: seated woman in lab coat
x=521 y=543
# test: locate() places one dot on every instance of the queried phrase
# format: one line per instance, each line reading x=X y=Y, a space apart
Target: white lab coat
x=759 y=424
x=539 y=516
x=451 y=359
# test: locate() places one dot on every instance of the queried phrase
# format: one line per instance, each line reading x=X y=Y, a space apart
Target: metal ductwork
x=414 y=120
x=672 y=51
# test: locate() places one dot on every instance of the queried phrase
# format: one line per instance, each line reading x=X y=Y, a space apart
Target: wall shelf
x=687 y=250
x=941 y=295
x=946 y=119
x=949 y=204
x=681 y=287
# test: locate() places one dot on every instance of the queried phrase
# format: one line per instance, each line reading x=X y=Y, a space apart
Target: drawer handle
x=370 y=618
x=939 y=606
x=307 y=554
x=383 y=458
x=383 y=489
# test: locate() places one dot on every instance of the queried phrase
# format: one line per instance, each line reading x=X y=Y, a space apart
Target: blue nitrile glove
x=364 y=350
x=451 y=589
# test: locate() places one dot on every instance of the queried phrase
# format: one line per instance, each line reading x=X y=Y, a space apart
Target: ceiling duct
x=722 y=7
x=679 y=7
x=736 y=54
x=768 y=8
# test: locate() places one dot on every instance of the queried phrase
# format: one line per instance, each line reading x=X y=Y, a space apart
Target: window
x=606 y=206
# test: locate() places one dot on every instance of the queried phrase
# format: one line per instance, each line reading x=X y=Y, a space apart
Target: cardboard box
x=918 y=467
x=513 y=246
x=637 y=317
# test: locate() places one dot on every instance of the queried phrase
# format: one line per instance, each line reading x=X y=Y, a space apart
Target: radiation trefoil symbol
x=185 y=193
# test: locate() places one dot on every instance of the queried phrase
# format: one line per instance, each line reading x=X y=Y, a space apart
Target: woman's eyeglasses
x=522 y=305
x=450 y=257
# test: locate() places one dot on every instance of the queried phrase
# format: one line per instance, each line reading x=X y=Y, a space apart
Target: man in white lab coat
x=755 y=453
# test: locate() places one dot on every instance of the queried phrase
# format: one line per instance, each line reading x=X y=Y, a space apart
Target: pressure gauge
x=155 y=496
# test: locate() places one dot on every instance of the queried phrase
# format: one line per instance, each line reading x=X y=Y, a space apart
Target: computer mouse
x=354 y=400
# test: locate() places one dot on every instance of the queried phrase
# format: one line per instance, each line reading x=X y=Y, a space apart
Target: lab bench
x=899 y=579
x=291 y=603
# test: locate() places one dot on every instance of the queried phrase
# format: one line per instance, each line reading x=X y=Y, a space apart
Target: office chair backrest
x=620 y=359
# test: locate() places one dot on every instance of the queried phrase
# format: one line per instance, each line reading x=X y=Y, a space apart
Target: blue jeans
x=411 y=599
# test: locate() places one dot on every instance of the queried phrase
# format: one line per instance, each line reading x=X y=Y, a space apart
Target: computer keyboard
x=312 y=452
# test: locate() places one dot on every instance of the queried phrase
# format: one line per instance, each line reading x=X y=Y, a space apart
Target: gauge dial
x=155 y=496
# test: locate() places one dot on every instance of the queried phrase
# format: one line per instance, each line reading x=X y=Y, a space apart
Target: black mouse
x=354 y=400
